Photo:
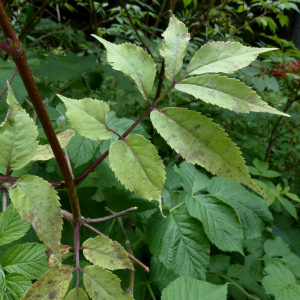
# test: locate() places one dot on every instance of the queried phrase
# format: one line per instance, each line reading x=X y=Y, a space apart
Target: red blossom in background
x=281 y=70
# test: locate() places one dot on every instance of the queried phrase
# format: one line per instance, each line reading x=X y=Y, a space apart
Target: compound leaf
x=44 y=152
x=179 y=242
x=37 y=202
x=88 y=117
x=225 y=92
x=105 y=253
x=192 y=289
x=102 y=284
x=140 y=173
x=12 y=226
x=18 y=135
x=134 y=62
x=225 y=57
x=77 y=294
x=220 y=221
x=199 y=140
x=176 y=38
x=53 y=285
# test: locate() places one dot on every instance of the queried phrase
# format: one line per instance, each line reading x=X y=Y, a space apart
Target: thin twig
x=160 y=14
x=289 y=167
x=10 y=81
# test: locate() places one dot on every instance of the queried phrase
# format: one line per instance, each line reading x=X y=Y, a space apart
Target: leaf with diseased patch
x=102 y=284
x=200 y=141
x=88 y=117
x=37 y=202
x=18 y=135
x=225 y=57
x=138 y=166
x=52 y=261
x=225 y=92
x=105 y=253
x=77 y=294
x=133 y=61
x=176 y=38
x=44 y=152
x=53 y=285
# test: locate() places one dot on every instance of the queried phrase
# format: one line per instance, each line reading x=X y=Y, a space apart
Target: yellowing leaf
x=77 y=294
x=105 y=253
x=102 y=284
x=37 y=202
x=199 y=140
x=88 y=117
x=44 y=152
x=138 y=166
x=18 y=135
x=64 y=249
x=53 y=285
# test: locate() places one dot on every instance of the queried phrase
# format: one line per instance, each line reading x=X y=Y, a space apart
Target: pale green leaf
x=293 y=262
x=220 y=221
x=12 y=226
x=134 y=62
x=288 y=206
x=18 y=135
x=77 y=294
x=14 y=286
x=176 y=38
x=44 y=152
x=53 y=285
x=88 y=117
x=105 y=253
x=102 y=284
x=37 y=202
x=225 y=57
x=276 y=247
x=27 y=259
x=270 y=174
x=281 y=283
x=253 y=171
x=138 y=166
x=293 y=196
x=225 y=92
x=192 y=289
x=179 y=242
x=199 y=140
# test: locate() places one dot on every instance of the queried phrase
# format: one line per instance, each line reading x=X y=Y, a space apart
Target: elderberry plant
x=222 y=217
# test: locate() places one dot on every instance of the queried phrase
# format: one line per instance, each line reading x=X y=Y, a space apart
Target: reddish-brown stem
x=10 y=81
x=40 y=109
x=77 y=244
x=14 y=52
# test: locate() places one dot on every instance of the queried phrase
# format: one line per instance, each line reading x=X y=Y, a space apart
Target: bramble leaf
x=88 y=117
x=225 y=92
x=199 y=140
x=102 y=284
x=37 y=202
x=179 y=242
x=18 y=135
x=192 y=289
x=220 y=221
x=53 y=285
x=176 y=38
x=105 y=253
x=140 y=173
x=133 y=61
x=12 y=226
x=225 y=57
x=276 y=247
x=74 y=295
x=44 y=152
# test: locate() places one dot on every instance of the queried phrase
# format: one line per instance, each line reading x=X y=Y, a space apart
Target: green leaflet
x=72 y=295
x=225 y=92
x=199 y=140
x=133 y=61
x=176 y=38
x=140 y=173
x=192 y=289
x=44 y=152
x=53 y=285
x=28 y=259
x=105 y=253
x=179 y=242
x=37 y=202
x=88 y=117
x=276 y=247
x=225 y=57
x=220 y=221
x=12 y=226
x=18 y=135
x=102 y=284
x=281 y=283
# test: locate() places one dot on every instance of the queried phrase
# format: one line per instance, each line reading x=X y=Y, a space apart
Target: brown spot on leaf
x=52 y=294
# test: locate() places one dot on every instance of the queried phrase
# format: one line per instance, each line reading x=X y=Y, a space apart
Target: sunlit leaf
x=77 y=294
